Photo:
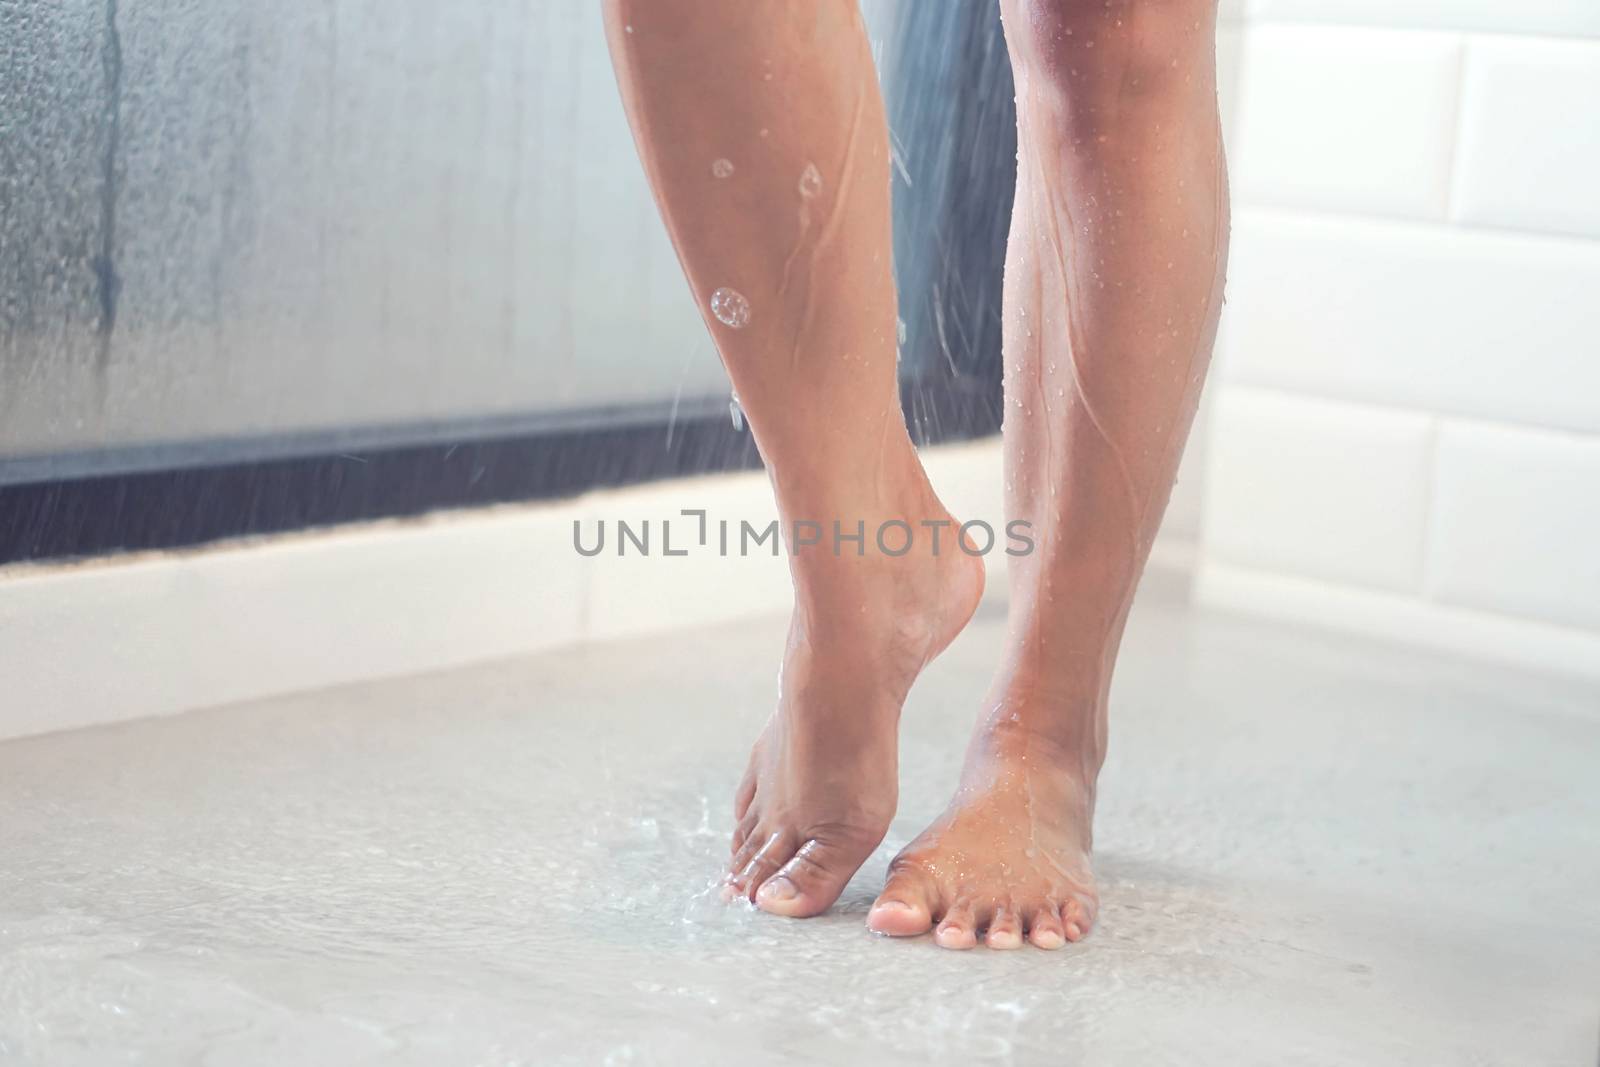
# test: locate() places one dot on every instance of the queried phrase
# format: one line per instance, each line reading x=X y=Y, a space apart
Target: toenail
x=779 y=888
x=891 y=905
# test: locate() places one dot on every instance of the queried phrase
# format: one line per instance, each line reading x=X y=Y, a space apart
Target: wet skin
x=821 y=785
x=1113 y=288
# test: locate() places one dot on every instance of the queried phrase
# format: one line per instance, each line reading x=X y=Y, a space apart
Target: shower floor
x=1312 y=850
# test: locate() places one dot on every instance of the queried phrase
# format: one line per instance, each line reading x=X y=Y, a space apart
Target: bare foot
x=1008 y=860
x=821 y=784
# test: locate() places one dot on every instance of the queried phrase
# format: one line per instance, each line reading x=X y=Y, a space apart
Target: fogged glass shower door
x=365 y=259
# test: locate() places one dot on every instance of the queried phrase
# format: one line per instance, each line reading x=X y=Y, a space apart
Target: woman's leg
x=1113 y=289
x=762 y=131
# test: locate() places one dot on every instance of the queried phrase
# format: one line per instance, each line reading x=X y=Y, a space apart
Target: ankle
x=893 y=525
x=879 y=476
x=1052 y=730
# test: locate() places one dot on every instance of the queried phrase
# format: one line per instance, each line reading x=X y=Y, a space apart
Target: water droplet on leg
x=731 y=308
x=721 y=168
x=810 y=181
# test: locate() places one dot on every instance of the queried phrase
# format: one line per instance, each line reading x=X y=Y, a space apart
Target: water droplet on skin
x=810 y=181
x=721 y=168
x=731 y=308
x=900 y=329
x=628 y=28
x=736 y=412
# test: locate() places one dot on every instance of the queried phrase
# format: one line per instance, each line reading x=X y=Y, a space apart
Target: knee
x=1096 y=48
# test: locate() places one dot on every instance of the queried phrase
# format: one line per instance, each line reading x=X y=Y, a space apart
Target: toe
x=958 y=928
x=1069 y=924
x=763 y=862
x=742 y=855
x=742 y=832
x=1005 y=930
x=1045 y=930
x=905 y=907
x=1089 y=908
x=812 y=879
x=1075 y=920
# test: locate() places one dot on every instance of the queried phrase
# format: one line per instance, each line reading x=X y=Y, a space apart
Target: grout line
x=1312 y=213
x=1578 y=36
x=1480 y=422
x=1474 y=632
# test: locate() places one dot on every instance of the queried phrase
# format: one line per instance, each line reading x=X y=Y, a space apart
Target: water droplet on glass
x=810 y=181
x=731 y=308
x=721 y=168
x=736 y=412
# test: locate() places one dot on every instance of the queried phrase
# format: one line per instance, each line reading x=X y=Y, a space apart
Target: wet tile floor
x=1313 y=850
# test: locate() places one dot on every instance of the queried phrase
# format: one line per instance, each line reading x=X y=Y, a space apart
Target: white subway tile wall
x=1367 y=467
x=1530 y=135
x=1405 y=434
x=1515 y=516
x=1351 y=120
x=1491 y=324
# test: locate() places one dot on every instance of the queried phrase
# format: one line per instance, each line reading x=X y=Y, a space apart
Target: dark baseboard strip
x=192 y=506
